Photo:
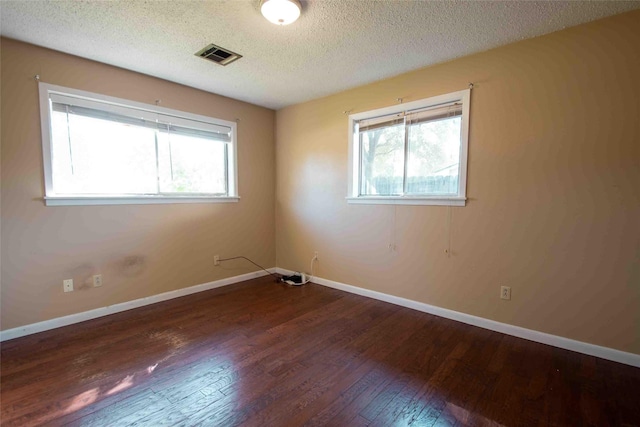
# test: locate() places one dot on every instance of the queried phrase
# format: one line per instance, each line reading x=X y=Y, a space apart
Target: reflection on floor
x=260 y=353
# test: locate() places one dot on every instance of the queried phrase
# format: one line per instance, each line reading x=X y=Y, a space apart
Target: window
x=104 y=150
x=413 y=153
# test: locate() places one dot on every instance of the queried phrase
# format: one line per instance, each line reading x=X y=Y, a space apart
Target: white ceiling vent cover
x=217 y=54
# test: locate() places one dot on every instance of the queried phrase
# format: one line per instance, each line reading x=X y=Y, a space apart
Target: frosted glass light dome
x=280 y=12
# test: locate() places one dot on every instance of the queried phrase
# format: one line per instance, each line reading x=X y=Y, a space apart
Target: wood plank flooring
x=259 y=353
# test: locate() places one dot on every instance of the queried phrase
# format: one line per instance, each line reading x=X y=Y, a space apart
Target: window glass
x=382 y=160
x=434 y=157
x=414 y=153
x=93 y=156
x=101 y=147
x=191 y=164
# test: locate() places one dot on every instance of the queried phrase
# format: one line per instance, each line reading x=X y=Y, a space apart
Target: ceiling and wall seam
x=334 y=46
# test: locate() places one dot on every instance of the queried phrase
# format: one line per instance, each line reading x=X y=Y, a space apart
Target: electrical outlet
x=216 y=260
x=67 y=285
x=97 y=280
x=505 y=292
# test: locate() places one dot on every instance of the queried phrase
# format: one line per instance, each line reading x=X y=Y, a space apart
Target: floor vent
x=217 y=54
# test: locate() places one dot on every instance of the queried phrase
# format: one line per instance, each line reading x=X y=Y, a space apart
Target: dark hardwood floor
x=260 y=353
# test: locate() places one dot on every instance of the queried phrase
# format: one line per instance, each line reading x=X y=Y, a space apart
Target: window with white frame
x=104 y=150
x=413 y=153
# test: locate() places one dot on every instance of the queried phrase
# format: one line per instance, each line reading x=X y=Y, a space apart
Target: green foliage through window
x=414 y=153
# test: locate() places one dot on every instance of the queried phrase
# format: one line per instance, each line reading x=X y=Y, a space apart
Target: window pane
x=382 y=157
x=190 y=164
x=115 y=151
x=101 y=157
x=434 y=156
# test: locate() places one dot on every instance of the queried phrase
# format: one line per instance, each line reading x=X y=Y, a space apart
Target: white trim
x=353 y=184
x=407 y=200
x=133 y=200
x=48 y=88
x=464 y=142
x=516 y=331
x=413 y=105
x=117 y=308
x=45 y=129
x=147 y=111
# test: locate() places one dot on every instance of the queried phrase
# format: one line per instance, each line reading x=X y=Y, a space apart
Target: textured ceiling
x=335 y=45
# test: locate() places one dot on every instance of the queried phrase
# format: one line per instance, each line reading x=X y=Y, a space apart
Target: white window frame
x=459 y=199
x=109 y=103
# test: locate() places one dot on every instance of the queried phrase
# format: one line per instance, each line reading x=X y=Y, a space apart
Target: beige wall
x=140 y=250
x=553 y=187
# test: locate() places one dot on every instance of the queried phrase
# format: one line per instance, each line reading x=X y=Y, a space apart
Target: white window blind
x=108 y=148
x=412 y=154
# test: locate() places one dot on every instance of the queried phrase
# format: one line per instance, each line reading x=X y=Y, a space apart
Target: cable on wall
x=313 y=261
x=449 y=220
x=392 y=230
x=257 y=265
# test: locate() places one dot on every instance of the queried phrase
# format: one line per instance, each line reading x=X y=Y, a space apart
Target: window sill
x=408 y=200
x=133 y=200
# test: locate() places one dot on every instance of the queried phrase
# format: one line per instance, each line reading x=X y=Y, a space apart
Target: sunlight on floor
x=90 y=396
x=174 y=343
x=466 y=417
x=122 y=385
x=82 y=400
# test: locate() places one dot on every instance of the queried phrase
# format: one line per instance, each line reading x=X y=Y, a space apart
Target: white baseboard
x=117 y=308
x=516 y=331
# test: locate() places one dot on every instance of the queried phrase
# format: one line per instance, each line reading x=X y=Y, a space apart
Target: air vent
x=217 y=54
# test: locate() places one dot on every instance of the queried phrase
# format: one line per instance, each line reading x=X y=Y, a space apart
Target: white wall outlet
x=216 y=260
x=97 y=280
x=67 y=285
x=505 y=292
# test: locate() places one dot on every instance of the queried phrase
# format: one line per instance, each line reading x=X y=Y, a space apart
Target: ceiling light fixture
x=280 y=12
